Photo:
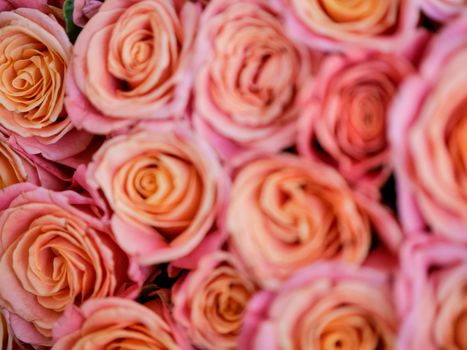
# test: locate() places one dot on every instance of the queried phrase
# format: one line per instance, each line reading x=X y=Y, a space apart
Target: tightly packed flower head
x=55 y=252
x=34 y=55
x=167 y=190
x=344 y=121
x=286 y=213
x=325 y=306
x=210 y=301
x=335 y=24
x=130 y=63
x=249 y=78
x=432 y=294
x=428 y=131
x=115 y=323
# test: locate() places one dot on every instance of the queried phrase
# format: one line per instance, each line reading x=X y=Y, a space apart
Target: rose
x=334 y=24
x=165 y=186
x=443 y=10
x=54 y=252
x=7 y=340
x=344 y=121
x=34 y=54
x=427 y=132
x=210 y=301
x=286 y=212
x=130 y=63
x=325 y=306
x=432 y=294
x=83 y=10
x=18 y=166
x=119 y=323
x=250 y=74
x=41 y=5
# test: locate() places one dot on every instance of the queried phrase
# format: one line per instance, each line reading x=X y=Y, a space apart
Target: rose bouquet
x=220 y=175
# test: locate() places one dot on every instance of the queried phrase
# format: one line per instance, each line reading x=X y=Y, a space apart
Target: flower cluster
x=221 y=175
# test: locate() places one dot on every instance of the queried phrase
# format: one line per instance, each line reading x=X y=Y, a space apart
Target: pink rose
x=443 y=10
x=330 y=24
x=432 y=294
x=210 y=301
x=7 y=339
x=32 y=89
x=45 y=6
x=286 y=213
x=130 y=63
x=345 y=118
x=166 y=188
x=427 y=132
x=54 y=252
x=83 y=10
x=115 y=323
x=249 y=77
x=325 y=306
x=16 y=166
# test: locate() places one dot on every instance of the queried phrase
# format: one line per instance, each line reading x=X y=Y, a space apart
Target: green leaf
x=71 y=29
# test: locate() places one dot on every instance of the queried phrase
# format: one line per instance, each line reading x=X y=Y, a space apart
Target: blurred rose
x=54 y=252
x=83 y=10
x=286 y=213
x=166 y=188
x=344 y=122
x=34 y=53
x=210 y=302
x=443 y=10
x=46 y=6
x=115 y=323
x=331 y=24
x=432 y=294
x=428 y=132
x=16 y=166
x=249 y=77
x=325 y=306
x=130 y=63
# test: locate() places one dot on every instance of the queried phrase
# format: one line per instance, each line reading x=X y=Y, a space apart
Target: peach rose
x=249 y=77
x=210 y=301
x=428 y=132
x=34 y=54
x=54 y=252
x=443 y=10
x=115 y=323
x=166 y=188
x=336 y=24
x=345 y=118
x=432 y=294
x=286 y=212
x=325 y=306
x=130 y=63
